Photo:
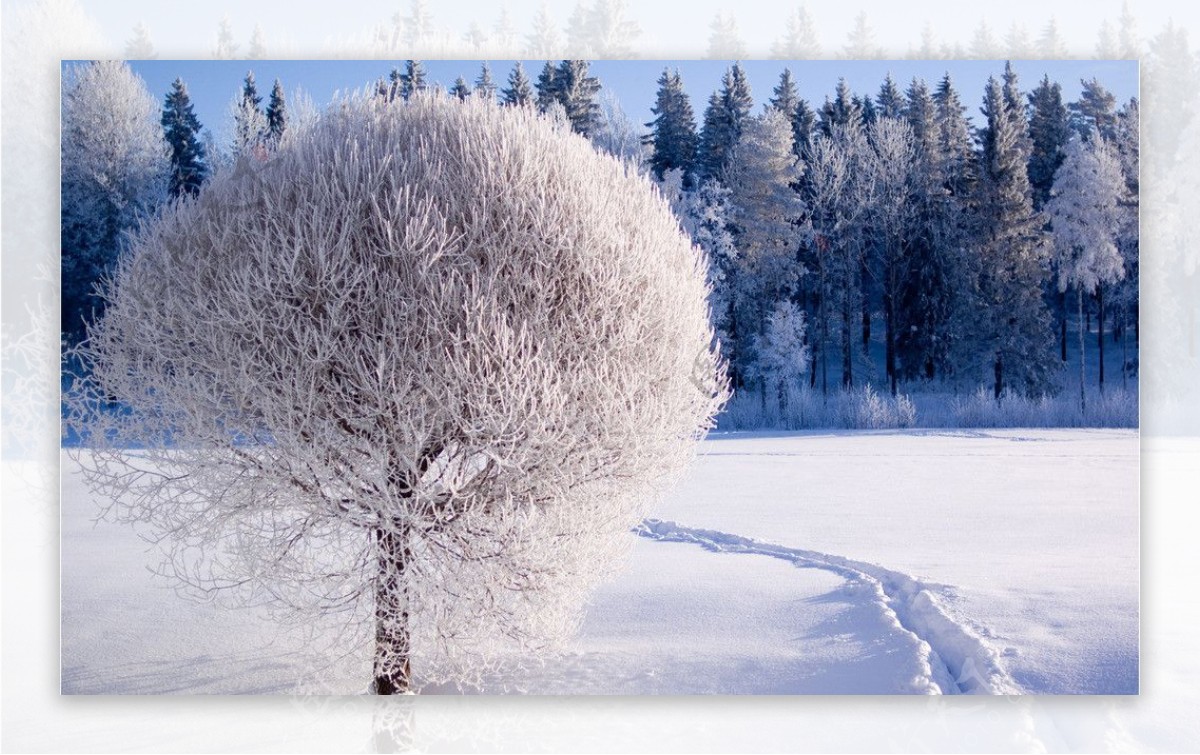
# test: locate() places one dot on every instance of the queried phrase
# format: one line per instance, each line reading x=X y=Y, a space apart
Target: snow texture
x=1001 y=561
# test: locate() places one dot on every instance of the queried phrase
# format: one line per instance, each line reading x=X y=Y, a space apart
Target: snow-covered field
x=845 y=562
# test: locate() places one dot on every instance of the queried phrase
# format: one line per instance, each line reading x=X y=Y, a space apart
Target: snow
x=820 y=562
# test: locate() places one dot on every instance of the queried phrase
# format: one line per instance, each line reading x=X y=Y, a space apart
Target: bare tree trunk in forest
x=847 y=342
x=393 y=643
x=1100 y=331
x=998 y=387
x=1082 y=363
x=1062 y=322
x=864 y=277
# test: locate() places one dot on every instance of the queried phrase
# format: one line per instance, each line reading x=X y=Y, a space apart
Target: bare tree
x=424 y=364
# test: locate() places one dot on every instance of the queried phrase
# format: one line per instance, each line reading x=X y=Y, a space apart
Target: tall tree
x=1049 y=131
x=485 y=85
x=519 y=90
x=414 y=78
x=786 y=99
x=728 y=108
x=576 y=91
x=799 y=40
x=547 y=87
x=277 y=116
x=249 y=123
x=673 y=131
x=1012 y=330
x=889 y=103
x=766 y=210
x=1095 y=111
x=116 y=171
x=182 y=130
x=460 y=89
x=1087 y=218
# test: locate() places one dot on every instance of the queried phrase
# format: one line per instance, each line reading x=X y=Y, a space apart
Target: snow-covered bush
x=802 y=408
x=424 y=364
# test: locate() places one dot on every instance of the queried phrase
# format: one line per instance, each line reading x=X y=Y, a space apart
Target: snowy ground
x=848 y=562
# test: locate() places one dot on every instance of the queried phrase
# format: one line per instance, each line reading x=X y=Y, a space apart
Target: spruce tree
x=277 y=118
x=787 y=101
x=413 y=79
x=577 y=92
x=727 y=110
x=673 y=131
x=889 y=103
x=1049 y=131
x=460 y=88
x=547 y=87
x=1012 y=330
x=844 y=111
x=182 y=128
x=519 y=90
x=1096 y=110
x=485 y=86
x=249 y=123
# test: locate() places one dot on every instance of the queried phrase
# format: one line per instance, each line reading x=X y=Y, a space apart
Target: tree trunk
x=1100 y=332
x=1082 y=363
x=889 y=316
x=393 y=643
x=864 y=276
x=998 y=387
x=1062 y=321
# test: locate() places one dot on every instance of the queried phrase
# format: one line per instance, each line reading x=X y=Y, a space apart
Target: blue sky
x=214 y=84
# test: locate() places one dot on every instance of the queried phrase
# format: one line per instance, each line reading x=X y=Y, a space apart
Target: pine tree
x=485 y=86
x=844 y=111
x=799 y=40
x=1049 y=131
x=543 y=40
x=673 y=131
x=182 y=130
x=413 y=79
x=727 y=110
x=724 y=38
x=140 y=46
x=889 y=103
x=249 y=123
x=226 y=48
x=258 y=44
x=766 y=211
x=787 y=101
x=277 y=116
x=928 y=285
x=460 y=88
x=519 y=90
x=547 y=87
x=1096 y=110
x=1011 y=323
x=576 y=91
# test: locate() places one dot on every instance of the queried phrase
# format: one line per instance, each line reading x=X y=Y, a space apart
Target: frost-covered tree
x=399 y=371
x=115 y=171
x=724 y=38
x=1010 y=323
x=547 y=87
x=617 y=135
x=1095 y=111
x=889 y=103
x=783 y=355
x=576 y=90
x=276 y=115
x=461 y=89
x=519 y=90
x=799 y=40
x=787 y=100
x=893 y=168
x=227 y=47
x=1049 y=131
x=728 y=108
x=1086 y=217
x=760 y=177
x=672 y=135
x=413 y=79
x=140 y=46
x=843 y=111
x=182 y=130
x=602 y=30
x=485 y=85
x=544 y=42
x=258 y=44
x=860 y=43
x=249 y=122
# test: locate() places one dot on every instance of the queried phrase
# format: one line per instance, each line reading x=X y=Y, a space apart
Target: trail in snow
x=959 y=660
